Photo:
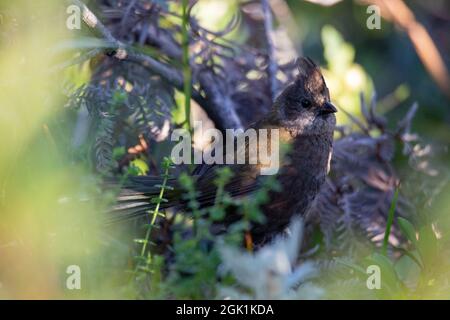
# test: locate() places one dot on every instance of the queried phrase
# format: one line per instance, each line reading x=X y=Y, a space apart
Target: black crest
x=309 y=75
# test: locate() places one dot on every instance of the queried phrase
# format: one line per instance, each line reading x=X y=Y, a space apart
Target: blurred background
x=392 y=60
x=48 y=220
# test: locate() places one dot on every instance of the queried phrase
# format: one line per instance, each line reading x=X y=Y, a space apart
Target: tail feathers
x=129 y=211
x=136 y=194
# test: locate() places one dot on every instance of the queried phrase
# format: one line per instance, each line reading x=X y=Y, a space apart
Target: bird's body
x=305 y=121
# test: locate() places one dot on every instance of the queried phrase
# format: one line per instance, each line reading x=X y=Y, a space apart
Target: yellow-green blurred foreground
x=46 y=224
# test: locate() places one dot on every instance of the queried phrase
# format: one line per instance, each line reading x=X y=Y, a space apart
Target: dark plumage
x=305 y=119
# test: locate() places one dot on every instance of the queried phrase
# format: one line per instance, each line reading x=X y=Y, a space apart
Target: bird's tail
x=135 y=197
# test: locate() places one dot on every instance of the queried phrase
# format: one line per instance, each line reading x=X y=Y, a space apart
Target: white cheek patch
x=306 y=121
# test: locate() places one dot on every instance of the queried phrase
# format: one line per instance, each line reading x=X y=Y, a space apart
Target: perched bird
x=304 y=117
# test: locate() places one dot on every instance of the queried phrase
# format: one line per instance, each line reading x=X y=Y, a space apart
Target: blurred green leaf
x=338 y=54
x=389 y=277
x=140 y=165
x=81 y=43
x=408 y=229
x=390 y=221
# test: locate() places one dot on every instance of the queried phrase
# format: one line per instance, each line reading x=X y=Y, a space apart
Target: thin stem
x=187 y=73
x=155 y=212
x=390 y=221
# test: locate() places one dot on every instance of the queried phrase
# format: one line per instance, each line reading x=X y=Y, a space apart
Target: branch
x=93 y=22
x=216 y=103
x=273 y=66
x=218 y=106
x=285 y=18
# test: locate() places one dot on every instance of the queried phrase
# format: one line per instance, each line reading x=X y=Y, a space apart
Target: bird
x=305 y=118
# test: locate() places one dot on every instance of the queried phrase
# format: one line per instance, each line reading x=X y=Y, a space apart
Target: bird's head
x=304 y=106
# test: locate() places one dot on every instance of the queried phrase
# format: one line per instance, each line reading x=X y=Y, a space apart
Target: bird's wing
x=243 y=181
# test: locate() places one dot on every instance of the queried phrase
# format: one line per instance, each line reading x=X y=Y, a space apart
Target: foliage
x=271 y=272
x=382 y=203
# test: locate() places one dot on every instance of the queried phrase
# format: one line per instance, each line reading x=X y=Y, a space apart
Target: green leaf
x=217 y=213
x=407 y=229
x=338 y=53
x=408 y=269
x=427 y=245
x=390 y=221
x=351 y=265
x=389 y=276
x=81 y=43
x=119 y=152
x=140 y=165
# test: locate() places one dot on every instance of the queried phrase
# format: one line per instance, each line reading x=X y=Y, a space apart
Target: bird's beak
x=327 y=108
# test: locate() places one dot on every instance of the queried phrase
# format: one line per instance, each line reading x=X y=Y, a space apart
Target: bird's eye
x=306 y=103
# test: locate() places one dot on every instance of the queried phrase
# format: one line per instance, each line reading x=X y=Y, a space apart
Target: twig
x=93 y=22
x=153 y=214
x=285 y=18
x=398 y=12
x=355 y=121
x=273 y=66
x=218 y=106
